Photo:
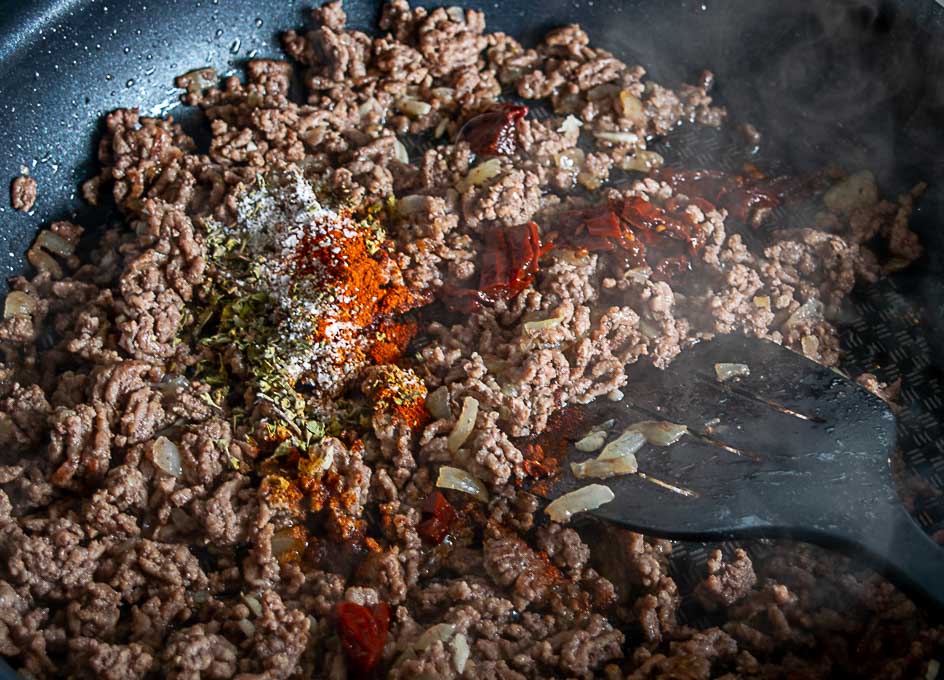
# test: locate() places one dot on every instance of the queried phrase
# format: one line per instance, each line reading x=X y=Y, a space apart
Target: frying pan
x=857 y=82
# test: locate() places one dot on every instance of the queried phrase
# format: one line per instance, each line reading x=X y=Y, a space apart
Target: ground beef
x=172 y=506
x=727 y=582
x=23 y=193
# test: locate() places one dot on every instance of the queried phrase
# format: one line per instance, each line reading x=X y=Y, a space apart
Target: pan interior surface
x=852 y=83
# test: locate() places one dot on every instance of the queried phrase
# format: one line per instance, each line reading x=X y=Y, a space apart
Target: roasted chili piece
x=363 y=632
x=439 y=516
x=747 y=197
x=631 y=225
x=493 y=133
x=507 y=266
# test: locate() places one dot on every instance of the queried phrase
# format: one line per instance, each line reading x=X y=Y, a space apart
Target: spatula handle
x=900 y=549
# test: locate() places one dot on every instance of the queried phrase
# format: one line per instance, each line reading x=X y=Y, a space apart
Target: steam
x=853 y=83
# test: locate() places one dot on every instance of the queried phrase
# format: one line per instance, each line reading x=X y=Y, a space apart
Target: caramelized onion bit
x=596 y=468
x=660 y=432
x=480 y=174
x=166 y=456
x=593 y=441
x=440 y=632
x=627 y=443
x=437 y=403
x=458 y=479
x=589 y=497
x=54 y=243
x=19 y=304
x=727 y=371
x=460 y=652
x=464 y=424
x=810 y=311
x=413 y=107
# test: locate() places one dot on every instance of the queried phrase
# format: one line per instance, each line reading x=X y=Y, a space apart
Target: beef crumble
x=176 y=502
x=23 y=193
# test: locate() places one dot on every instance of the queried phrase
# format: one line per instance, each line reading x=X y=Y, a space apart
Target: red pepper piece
x=510 y=260
x=440 y=517
x=746 y=197
x=493 y=133
x=363 y=632
x=652 y=223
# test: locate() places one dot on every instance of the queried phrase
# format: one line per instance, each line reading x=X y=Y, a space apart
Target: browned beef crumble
x=23 y=193
x=115 y=568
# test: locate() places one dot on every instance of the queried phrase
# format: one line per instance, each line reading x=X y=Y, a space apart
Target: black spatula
x=793 y=449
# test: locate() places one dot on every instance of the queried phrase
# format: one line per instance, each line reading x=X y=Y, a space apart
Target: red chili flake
x=363 y=633
x=440 y=516
x=493 y=133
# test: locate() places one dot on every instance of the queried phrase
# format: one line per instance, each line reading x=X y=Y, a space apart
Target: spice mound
x=333 y=289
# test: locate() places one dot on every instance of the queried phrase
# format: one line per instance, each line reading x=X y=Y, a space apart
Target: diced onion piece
x=660 y=432
x=627 y=443
x=440 y=632
x=444 y=93
x=617 y=137
x=810 y=345
x=458 y=479
x=196 y=80
x=639 y=274
x=571 y=124
x=54 y=243
x=288 y=544
x=601 y=469
x=44 y=262
x=456 y=14
x=19 y=303
x=253 y=603
x=413 y=107
x=934 y=667
x=762 y=301
x=633 y=108
x=589 y=497
x=320 y=460
x=460 y=652
x=437 y=403
x=480 y=174
x=588 y=181
x=247 y=627
x=464 y=424
x=166 y=456
x=411 y=204
x=643 y=161
x=727 y=371
x=366 y=107
x=855 y=191
x=811 y=310
x=401 y=151
x=571 y=159
x=591 y=442
x=538 y=325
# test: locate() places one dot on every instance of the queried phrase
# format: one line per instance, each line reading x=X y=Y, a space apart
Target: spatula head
x=814 y=446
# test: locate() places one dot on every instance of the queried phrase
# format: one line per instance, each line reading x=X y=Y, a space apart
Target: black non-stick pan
x=856 y=82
